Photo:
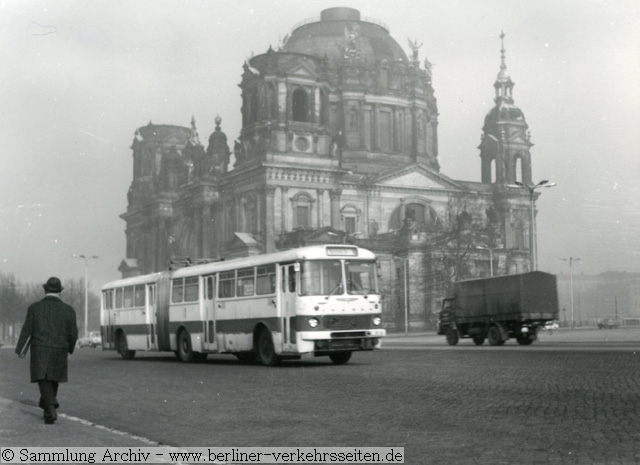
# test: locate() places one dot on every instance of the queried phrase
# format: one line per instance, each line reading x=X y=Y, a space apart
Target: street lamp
x=490 y=256
x=532 y=221
x=86 y=294
x=571 y=260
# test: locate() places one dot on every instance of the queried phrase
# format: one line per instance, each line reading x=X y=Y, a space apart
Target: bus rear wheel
x=123 y=348
x=266 y=350
x=340 y=358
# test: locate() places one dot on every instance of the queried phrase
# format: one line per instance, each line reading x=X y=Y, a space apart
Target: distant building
x=339 y=143
x=609 y=295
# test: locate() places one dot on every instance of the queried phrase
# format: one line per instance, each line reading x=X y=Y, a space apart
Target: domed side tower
x=505 y=146
x=340 y=91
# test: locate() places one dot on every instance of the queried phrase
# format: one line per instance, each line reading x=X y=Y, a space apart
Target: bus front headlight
x=313 y=322
x=376 y=321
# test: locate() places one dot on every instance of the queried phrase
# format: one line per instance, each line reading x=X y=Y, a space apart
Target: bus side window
x=177 y=290
x=128 y=297
x=227 y=284
x=265 y=280
x=246 y=282
x=191 y=289
x=119 y=297
x=109 y=295
x=139 y=295
x=292 y=278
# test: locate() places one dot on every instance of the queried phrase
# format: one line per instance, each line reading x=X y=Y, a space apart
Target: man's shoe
x=50 y=415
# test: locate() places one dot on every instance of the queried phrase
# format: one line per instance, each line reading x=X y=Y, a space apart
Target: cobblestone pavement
x=542 y=404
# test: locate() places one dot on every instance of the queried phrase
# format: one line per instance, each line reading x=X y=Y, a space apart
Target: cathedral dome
x=340 y=30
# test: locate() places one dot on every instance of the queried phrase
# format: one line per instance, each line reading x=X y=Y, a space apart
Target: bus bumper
x=329 y=341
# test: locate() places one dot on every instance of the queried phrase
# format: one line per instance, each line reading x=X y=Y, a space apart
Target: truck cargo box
x=526 y=296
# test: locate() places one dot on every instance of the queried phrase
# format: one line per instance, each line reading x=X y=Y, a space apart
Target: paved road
x=560 y=401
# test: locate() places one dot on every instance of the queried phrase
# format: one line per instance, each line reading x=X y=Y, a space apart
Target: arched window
x=350 y=216
x=418 y=212
x=518 y=169
x=302 y=204
x=300 y=106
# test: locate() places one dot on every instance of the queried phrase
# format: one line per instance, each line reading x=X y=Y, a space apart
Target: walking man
x=51 y=330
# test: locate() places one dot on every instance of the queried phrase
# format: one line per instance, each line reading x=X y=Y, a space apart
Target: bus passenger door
x=210 y=313
x=287 y=291
x=151 y=317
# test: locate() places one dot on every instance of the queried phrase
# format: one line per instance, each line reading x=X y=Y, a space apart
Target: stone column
x=375 y=133
x=320 y=207
x=270 y=245
x=284 y=208
x=207 y=232
x=362 y=123
x=335 y=207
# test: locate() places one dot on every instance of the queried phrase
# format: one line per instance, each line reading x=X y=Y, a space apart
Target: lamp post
x=406 y=299
x=532 y=220
x=86 y=294
x=490 y=256
x=571 y=260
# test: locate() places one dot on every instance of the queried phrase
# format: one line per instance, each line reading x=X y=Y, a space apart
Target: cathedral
x=339 y=144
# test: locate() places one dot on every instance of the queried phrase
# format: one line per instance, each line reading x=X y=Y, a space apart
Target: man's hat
x=53 y=285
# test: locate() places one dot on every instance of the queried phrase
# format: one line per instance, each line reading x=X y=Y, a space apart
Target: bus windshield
x=324 y=277
x=361 y=277
x=321 y=277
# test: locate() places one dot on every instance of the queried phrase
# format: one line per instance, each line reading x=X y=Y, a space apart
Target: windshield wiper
x=338 y=288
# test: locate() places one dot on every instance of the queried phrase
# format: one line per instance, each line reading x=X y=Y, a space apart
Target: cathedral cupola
x=218 y=152
x=505 y=145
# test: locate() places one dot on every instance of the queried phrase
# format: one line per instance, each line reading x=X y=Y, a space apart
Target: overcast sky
x=78 y=77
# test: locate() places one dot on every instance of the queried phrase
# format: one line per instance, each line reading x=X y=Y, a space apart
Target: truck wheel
x=478 y=340
x=452 y=336
x=494 y=336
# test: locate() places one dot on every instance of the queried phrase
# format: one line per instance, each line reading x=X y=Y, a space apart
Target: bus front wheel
x=340 y=358
x=266 y=350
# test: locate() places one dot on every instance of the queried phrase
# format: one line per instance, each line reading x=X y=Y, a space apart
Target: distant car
x=551 y=326
x=93 y=340
x=608 y=324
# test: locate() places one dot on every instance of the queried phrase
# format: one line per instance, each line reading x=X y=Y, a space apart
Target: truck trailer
x=499 y=308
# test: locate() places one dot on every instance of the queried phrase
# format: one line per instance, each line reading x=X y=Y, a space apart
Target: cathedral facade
x=339 y=144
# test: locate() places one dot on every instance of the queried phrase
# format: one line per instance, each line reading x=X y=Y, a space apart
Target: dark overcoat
x=53 y=329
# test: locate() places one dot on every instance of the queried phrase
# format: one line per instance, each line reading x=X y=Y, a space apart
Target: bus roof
x=337 y=251
x=147 y=278
x=311 y=252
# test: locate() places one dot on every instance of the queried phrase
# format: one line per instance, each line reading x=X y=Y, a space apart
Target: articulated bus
x=318 y=300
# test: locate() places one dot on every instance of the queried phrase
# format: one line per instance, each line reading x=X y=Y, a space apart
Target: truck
x=499 y=308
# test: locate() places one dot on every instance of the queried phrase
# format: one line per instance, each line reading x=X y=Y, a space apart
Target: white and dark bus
x=319 y=300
